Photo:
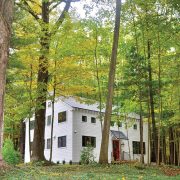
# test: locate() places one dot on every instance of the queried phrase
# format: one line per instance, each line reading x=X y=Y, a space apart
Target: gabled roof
x=81 y=103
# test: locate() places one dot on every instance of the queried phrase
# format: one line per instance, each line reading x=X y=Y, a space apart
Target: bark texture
x=105 y=134
x=6 y=14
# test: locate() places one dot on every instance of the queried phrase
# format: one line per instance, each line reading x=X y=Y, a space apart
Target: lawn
x=86 y=172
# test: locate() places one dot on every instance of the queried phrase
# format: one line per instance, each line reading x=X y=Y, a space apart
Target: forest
x=123 y=54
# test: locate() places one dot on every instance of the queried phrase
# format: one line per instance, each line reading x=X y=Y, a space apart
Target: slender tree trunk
x=98 y=80
x=179 y=152
x=6 y=14
x=30 y=109
x=128 y=138
x=149 y=136
x=154 y=131
x=22 y=139
x=105 y=135
x=52 y=123
x=171 y=145
x=141 y=128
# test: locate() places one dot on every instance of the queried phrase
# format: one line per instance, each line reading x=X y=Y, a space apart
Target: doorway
x=116 y=150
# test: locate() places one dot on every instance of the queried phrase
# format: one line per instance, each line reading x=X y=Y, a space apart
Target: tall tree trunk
x=6 y=15
x=30 y=109
x=40 y=114
x=22 y=139
x=171 y=145
x=141 y=128
x=154 y=131
x=53 y=101
x=105 y=134
x=98 y=80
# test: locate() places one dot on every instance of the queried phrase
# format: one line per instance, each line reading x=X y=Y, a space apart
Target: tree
x=107 y=119
x=43 y=18
x=6 y=15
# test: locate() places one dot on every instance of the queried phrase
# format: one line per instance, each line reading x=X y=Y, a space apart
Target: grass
x=85 y=172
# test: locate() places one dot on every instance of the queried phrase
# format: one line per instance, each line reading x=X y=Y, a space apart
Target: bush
x=10 y=155
x=87 y=156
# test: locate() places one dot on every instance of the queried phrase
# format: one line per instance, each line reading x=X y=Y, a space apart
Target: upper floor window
x=93 y=120
x=32 y=125
x=62 y=117
x=135 y=126
x=49 y=120
x=48 y=143
x=88 y=141
x=84 y=118
x=119 y=124
x=62 y=141
x=137 y=147
x=49 y=104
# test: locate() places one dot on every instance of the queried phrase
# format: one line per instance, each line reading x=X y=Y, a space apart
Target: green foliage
x=10 y=155
x=87 y=156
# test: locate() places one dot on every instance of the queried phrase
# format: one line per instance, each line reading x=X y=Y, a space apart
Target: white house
x=76 y=124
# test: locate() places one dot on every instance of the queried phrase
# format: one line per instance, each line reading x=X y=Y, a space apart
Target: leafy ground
x=86 y=172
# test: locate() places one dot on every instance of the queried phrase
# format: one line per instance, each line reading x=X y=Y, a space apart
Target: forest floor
x=87 y=172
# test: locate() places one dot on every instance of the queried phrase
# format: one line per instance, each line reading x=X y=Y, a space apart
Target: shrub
x=10 y=155
x=87 y=156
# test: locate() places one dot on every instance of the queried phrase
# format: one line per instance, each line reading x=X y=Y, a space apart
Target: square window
x=49 y=104
x=49 y=120
x=32 y=125
x=88 y=141
x=48 y=143
x=84 y=118
x=119 y=124
x=62 y=117
x=137 y=147
x=93 y=120
x=135 y=126
x=62 y=141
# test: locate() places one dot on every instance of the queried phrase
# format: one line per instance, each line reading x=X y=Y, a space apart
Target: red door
x=116 y=151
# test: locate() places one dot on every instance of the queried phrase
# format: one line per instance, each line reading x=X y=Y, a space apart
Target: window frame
x=135 y=126
x=63 y=145
x=82 y=119
x=62 y=114
x=93 y=118
x=48 y=143
x=47 y=123
x=92 y=140
x=136 y=147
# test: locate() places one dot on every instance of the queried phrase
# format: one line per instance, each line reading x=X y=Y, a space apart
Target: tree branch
x=24 y=5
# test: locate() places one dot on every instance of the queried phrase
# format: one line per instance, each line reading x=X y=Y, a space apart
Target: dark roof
x=118 y=134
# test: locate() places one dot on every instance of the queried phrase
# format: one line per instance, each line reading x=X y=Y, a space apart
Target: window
x=119 y=124
x=62 y=117
x=49 y=104
x=137 y=148
x=49 y=120
x=93 y=120
x=84 y=118
x=112 y=123
x=88 y=141
x=135 y=126
x=62 y=141
x=31 y=125
x=48 y=143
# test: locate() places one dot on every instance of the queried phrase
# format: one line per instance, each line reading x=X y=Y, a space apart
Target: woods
x=121 y=55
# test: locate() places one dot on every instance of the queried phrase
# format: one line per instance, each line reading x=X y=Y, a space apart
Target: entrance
x=116 y=150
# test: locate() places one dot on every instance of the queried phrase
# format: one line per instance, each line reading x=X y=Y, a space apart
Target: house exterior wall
x=60 y=129
x=73 y=128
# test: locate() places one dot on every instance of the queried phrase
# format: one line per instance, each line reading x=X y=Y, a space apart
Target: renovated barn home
x=76 y=125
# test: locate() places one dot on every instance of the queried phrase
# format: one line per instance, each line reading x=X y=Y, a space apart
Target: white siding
x=60 y=129
x=74 y=129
